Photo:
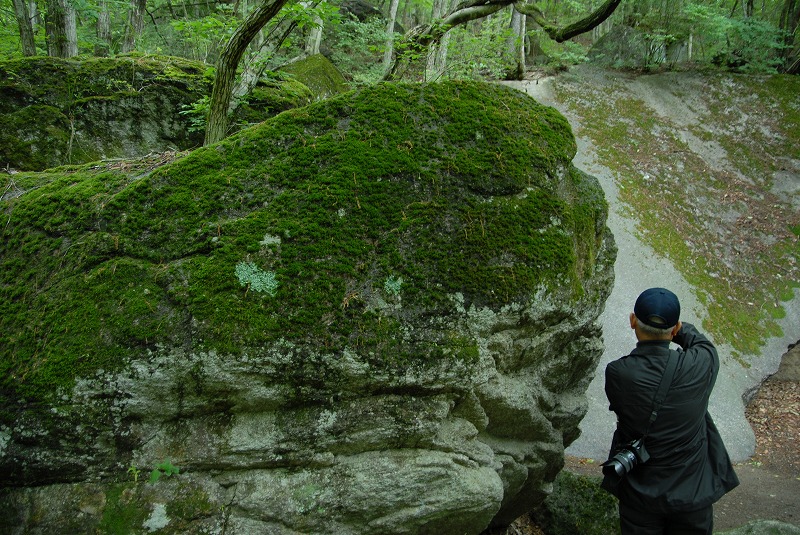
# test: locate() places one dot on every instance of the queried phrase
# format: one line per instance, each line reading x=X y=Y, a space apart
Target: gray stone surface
x=459 y=423
x=639 y=267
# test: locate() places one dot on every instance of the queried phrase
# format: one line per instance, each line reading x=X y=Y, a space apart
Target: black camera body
x=626 y=458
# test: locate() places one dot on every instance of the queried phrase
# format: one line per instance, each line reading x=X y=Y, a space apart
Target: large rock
x=374 y=314
x=56 y=112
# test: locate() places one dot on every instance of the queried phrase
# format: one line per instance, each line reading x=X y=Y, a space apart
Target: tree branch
x=569 y=31
x=418 y=39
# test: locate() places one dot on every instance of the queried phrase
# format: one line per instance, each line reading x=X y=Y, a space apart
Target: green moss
x=578 y=505
x=318 y=74
x=122 y=514
x=447 y=186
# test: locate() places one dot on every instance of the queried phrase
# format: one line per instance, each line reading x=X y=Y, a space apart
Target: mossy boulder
x=55 y=111
x=318 y=74
x=373 y=314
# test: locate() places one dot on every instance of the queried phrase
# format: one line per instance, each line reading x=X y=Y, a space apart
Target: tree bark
x=789 y=22
x=389 y=52
x=314 y=35
x=516 y=45
x=61 y=29
x=25 y=27
x=217 y=120
x=437 y=51
x=133 y=30
x=103 y=30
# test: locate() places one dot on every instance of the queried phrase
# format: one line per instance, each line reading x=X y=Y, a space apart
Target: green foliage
x=196 y=112
x=134 y=472
x=359 y=49
x=482 y=53
x=166 y=469
x=202 y=38
x=754 y=46
x=560 y=55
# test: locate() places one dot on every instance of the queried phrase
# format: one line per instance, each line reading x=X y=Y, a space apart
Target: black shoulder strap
x=663 y=387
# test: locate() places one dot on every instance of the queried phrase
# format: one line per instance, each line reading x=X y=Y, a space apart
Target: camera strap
x=663 y=387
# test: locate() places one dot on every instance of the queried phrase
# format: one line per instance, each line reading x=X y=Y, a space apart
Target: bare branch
x=569 y=31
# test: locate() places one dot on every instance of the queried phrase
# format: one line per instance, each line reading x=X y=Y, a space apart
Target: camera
x=626 y=458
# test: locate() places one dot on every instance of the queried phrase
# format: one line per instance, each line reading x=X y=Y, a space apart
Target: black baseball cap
x=658 y=307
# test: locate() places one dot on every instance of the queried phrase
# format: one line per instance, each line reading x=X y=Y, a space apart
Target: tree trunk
x=33 y=10
x=103 y=30
x=61 y=29
x=25 y=27
x=314 y=35
x=789 y=22
x=437 y=51
x=133 y=30
x=387 y=54
x=516 y=45
x=217 y=121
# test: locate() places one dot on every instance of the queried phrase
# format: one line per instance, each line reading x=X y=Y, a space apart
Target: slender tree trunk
x=314 y=36
x=61 y=29
x=36 y=19
x=789 y=23
x=103 y=30
x=25 y=27
x=437 y=52
x=133 y=30
x=516 y=45
x=217 y=121
x=387 y=54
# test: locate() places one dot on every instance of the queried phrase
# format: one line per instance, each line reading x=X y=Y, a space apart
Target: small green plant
x=196 y=112
x=166 y=468
x=393 y=285
x=256 y=279
x=134 y=472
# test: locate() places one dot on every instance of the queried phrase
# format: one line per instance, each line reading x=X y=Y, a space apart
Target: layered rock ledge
x=373 y=314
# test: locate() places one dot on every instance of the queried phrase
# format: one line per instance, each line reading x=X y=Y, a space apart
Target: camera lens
x=621 y=463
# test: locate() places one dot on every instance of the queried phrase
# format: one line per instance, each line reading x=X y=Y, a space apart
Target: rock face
x=56 y=112
x=374 y=314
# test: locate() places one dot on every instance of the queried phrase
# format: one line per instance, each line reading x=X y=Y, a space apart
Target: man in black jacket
x=689 y=468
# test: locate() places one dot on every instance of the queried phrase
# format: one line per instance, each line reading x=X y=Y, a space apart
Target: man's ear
x=676 y=329
x=634 y=321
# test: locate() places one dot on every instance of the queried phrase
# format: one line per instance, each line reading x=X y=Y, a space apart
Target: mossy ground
x=450 y=187
x=726 y=229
